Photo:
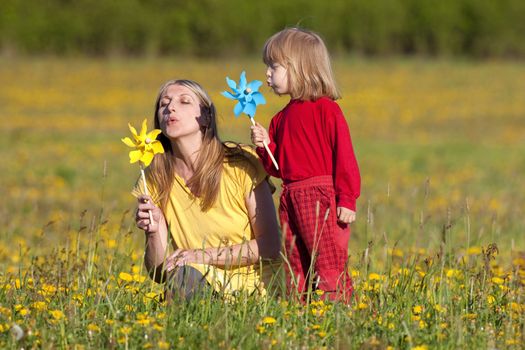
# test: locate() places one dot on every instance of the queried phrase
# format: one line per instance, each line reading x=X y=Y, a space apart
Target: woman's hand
x=345 y=215
x=259 y=135
x=142 y=217
x=180 y=257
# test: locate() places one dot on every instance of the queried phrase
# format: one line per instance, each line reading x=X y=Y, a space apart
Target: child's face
x=277 y=78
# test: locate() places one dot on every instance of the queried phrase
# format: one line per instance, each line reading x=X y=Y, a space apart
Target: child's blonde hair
x=305 y=56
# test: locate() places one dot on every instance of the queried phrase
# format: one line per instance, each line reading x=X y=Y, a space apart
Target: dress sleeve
x=347 y=179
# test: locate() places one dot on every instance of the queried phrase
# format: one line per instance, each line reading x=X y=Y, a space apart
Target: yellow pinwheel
x=145 y=144
x=145 y=147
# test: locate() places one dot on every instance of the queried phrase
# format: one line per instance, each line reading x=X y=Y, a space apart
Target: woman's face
x=179 y=112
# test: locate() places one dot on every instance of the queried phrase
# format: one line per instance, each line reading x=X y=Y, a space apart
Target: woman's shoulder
x=241 y=162
x=239 y=155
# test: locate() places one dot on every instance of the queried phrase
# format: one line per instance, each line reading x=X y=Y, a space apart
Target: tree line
x=473 y=28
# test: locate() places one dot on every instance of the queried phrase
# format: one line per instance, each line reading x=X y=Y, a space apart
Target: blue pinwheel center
x=246 y=94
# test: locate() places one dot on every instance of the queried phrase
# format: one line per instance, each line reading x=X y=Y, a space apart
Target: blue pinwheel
x=246 y=94
x=247 y=97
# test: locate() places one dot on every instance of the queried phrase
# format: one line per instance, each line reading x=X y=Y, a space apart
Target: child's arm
x=347 y=179
x=259 y=135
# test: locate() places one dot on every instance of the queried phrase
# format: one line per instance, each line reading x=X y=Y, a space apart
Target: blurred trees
x=477 y=28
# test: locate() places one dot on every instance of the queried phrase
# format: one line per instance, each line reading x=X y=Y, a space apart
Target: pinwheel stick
x=143 y=175
x=267 y=148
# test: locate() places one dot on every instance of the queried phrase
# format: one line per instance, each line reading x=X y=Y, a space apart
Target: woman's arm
x=156 y=236
x=266 y=244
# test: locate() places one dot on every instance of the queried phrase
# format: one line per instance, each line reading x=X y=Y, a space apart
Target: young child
x=311 y=142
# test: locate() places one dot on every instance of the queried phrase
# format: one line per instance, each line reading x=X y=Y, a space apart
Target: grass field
x=437 y=252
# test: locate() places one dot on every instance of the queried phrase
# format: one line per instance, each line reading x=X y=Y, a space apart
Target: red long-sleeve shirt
x=311 y=138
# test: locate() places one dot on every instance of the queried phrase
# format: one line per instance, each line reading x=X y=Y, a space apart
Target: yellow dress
x=225 y=224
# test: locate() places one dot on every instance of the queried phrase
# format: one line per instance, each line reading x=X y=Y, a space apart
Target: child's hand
x=259 y=135
x=345 y=215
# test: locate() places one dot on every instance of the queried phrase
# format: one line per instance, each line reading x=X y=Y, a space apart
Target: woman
x=213 y=199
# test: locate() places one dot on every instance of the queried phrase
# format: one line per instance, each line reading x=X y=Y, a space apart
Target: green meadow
x=437 y=252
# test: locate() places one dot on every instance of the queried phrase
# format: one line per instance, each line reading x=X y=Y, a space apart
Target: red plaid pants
x=316 y=249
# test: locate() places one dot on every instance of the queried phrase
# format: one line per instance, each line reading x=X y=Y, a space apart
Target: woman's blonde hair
x=205 y=182
x=306 y=58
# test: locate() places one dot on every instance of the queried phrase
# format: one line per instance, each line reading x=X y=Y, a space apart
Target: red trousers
x=316 y=249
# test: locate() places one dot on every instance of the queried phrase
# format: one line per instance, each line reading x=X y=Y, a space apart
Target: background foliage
x=477 y=28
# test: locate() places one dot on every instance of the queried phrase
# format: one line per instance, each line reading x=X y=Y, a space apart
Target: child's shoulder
x=327 y=105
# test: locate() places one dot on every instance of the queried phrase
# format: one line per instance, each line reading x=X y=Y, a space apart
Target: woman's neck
x=186 y=152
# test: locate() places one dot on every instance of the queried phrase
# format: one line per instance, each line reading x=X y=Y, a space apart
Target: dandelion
x=374 y=277
x=416 y=310
x=111 y=243
x=92 y=327
x=17 y=332
x=126 y=277
x=497 y=280
x=439 y=308
x=269 y=320
x=474 y=251
x=125 y=330
x=57 y=314
x=139 y=278
x=490 y=299
x=397 y=252
x=469 y=316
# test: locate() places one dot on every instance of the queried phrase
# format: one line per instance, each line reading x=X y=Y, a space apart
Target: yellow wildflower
x=416 y=310
x=269 y=320
x=374 y=277
x=474 y=251
x=139 y=278
x=125 y=330
x=93 y=327
x=497 y=280
x=57 y=314
x=126 y=277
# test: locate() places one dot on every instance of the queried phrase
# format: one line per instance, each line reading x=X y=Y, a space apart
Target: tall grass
x=437 y=253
